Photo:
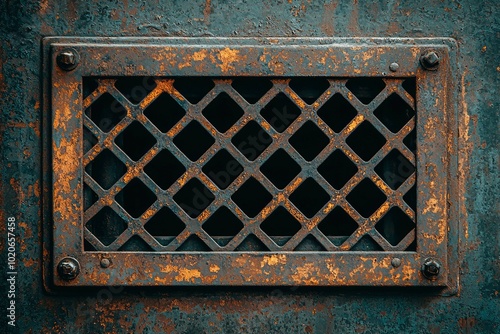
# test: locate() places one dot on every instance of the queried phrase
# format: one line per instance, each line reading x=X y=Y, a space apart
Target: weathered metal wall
x=476 y=309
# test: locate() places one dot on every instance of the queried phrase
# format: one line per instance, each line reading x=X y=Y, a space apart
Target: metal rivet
x=68 y=59
x=105 y=263
x=394 y=67
x=396 y=262
x=430 y=60
x=430 y=269
x=68 y=268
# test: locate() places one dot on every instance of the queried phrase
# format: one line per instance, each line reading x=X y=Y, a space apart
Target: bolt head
x=67 y=59
x=68 y=268
x=396 y=262
x=431 y=269
x=394 y=67
x=105 y=263
x=430 y=60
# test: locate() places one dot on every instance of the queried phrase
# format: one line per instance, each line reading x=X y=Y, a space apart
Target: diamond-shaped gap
x=366 y=244
x=309 y=88
x=222 y=169
x=309 y=197
x=135 y=198
x=411 y=141
x=194 y=197
x=309 y=244
x=337 y=112
x=164 y=226
x=90 y=84
x=394 y=226
x=193 y=244
x=411 y=198
x=164 y=169
x=194 y=140
x=252 y=88
x=87 y=246
x=222 y=112
x=135 y=140
x=251 y=244
x=89 y=140
x=251 y=197
x=366 y=141
x=394 y=169
x=251 y=140
x=338 y=225
x=135 y=244
x=106 y=169
x=394 y=112
x=164 y=112
x=280 y=112
x=410 y=85
x=337 y=169
x=135 y=89
x=309 y=140
x=106 y=112
x=280 y=226
x=280 y=169
x=223 y=226
x=89 y=197
x=194 y=88
x=365 y=89
x=106 y=225
x=366 y=198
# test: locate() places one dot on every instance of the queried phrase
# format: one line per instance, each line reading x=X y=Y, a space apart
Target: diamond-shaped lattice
x=194 y=197
x=164 y=169
x=365 y=141
x=164 y=112
x=280 y=225
x=222 y=112
x=337 y=112
x=280 y=112
x=223 y=225
x=309 y=140
x=338 y=225
x=394 y=112
x=251 y=140
x=309 y=197
x=251 y=197
x=165 y=225
x=337 y=169
x=366 y=198
x=222 y=169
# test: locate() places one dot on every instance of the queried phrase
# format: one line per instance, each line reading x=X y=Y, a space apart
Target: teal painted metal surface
x=475 y=309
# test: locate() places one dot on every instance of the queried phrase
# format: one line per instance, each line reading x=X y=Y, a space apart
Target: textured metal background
x=475 y=309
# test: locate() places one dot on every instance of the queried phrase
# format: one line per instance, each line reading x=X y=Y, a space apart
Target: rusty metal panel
x=251 y=161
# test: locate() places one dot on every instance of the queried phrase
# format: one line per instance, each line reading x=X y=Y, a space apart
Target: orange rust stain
x=228 y=57
x=273 y=260
x=214 y=268
x=187 y=275
x=306 y=274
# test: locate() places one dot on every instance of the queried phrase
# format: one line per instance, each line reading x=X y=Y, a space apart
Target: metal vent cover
x=261 y=162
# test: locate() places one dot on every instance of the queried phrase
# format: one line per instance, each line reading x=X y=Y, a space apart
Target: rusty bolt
x=105 y=263
x=68 y=59
x=430 y=60
x=68 y=268
x=394 y=67
x=431 y=269
x=396 y=262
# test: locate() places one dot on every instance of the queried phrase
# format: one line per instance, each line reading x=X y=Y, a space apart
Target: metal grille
x=249 y=164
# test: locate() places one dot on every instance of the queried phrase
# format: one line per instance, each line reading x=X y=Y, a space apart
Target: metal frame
x=347 y=58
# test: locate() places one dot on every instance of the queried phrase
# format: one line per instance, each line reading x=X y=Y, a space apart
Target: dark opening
x=411 y=141
x=135 y=244
x=366 y=198
x=194 y=140
x=309 y=197
x=135 y=140
x=280 y=223
x=251 y=140
x=309 y=141
x=337 y=112
x=135 y=89
x=365 y=89
x=222 y=112
x=89 y=197
x=106 y=169
x=337 y=169
x=410 y=85
x=309 y=88
x=135 y=198
x=106 y=112
x=193 y=244
x=164 y=226
x=365 y=244
x=194 y=197
x=394 y=169
x=90 y=84
x=252 y=88
x=280 y=169
x=89 y=140
x=411 y=198
x=222 y=169
x=251 y=197
x=106 y=226
x=251 y=244
x=222 y=226
x=394 y=113
x=394 y=226
x=164 y=112
x=164 y=169
x=338 y=226
x=310 y=244
x=280 y=112
x=366 y=141
x=193 y=88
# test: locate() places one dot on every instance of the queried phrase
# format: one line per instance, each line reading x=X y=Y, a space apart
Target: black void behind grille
x=249 y=164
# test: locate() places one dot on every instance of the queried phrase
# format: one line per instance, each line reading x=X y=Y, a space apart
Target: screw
x=430 y=269
x=68 y=59
x=396 y=262
x=105 y=263
x=394 y=67
x=430 y=60
x=68 y=268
